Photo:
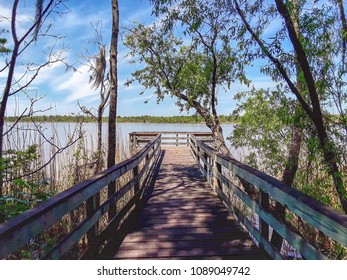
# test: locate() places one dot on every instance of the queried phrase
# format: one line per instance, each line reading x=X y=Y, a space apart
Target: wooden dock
x=184 y=219
x=174 y=201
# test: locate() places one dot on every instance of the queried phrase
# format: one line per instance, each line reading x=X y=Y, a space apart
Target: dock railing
x=139 y=139
x=137 y=171
x=220 y=170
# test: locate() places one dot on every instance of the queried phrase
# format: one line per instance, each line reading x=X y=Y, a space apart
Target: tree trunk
x=99 y=158
x=288 y=178
x=219 y=140
x=112 y=142
x=292 y=162
x=7 y=89
x=343 y=30
x=327 y=145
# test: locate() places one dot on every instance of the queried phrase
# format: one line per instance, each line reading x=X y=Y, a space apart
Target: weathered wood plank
x=237 y=234
x=182 y=216
x=185 y=244
x=242 y=252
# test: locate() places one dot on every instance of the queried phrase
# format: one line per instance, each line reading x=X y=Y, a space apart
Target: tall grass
x=65 y=167
x=57 y=170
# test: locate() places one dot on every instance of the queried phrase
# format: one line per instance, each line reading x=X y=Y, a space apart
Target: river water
x=59 y=133
x=126 y=128
x=26 y=134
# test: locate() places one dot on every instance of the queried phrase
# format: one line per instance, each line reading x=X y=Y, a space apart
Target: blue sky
x=63 y=89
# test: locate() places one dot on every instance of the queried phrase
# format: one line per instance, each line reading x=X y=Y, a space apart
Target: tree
x=112 y=137
x=313 y=73
x=193 y=72
x=271 y=129
x=99 y=80
x=21 y=43
x=314 y=28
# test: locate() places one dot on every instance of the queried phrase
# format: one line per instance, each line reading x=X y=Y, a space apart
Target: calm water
x=125 y=128
x=59 y=133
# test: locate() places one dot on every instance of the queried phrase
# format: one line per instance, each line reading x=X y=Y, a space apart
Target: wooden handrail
x=321 y=217
x=21 y=229
x=173 y=138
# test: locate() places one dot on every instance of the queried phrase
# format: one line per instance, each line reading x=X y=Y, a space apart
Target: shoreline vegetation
x=120 y=119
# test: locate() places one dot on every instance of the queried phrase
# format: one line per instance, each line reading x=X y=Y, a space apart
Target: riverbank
x=125 y=119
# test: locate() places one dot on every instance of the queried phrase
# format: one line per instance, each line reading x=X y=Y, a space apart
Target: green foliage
x=265 y=119
x=191 y=67
x=3 y=42
x=22 y=192
x=14 y=162
x=321 y=85
x=264 y=128
x=23 y=196
x=51 y=118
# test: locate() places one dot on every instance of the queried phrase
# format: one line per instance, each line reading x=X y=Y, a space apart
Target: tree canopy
x=192 y=65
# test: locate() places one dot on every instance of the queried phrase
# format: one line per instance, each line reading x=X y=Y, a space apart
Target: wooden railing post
x=135 y=141
x=263 y=226
x=131 y=140
x=205 y=165
x=216 y=182
x=92 y=204
x=135 y=174
x=196 y=151
x=210 y=169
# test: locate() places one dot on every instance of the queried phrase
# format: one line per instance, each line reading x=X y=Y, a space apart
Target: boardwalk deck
x=184 y=219
x=179 y=217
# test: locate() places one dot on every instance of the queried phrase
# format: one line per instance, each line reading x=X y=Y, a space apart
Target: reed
x=45 y=163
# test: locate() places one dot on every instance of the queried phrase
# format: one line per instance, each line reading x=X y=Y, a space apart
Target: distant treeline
x=132 y=119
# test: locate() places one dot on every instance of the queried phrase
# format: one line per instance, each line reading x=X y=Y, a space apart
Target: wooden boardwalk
x=184 y=219
x=180 y=217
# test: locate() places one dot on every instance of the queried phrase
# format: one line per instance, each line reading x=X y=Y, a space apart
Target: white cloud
x=77 y=85
x=64 y=89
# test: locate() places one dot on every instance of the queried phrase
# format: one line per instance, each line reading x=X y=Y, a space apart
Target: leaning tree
x=194 y=65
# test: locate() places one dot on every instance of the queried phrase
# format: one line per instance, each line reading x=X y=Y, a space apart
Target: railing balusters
x=137 y=184
x=323 y=218
x=263 y=226
x=139 y=139
x=217 y=183
x=19 y=230
x=91 y=205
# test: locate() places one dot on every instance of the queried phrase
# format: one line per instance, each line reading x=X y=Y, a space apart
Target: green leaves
x=23 y=191
x=3 y=49
x=194 y=64
x=23 y=195
x=264 y=129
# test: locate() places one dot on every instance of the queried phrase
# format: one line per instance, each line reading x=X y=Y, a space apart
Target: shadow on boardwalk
x=182 y=219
